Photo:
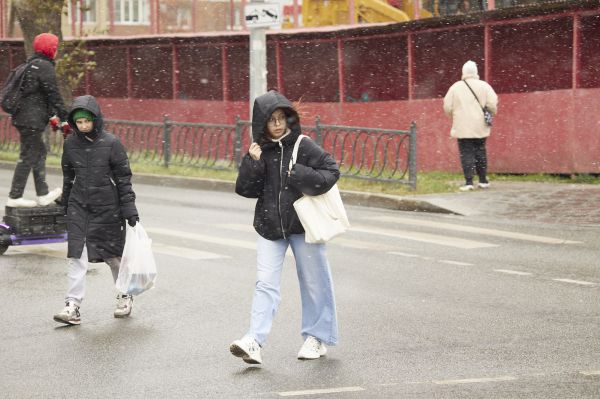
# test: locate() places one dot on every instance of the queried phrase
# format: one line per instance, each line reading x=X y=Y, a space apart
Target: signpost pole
x=258 y=66
x=259 y=16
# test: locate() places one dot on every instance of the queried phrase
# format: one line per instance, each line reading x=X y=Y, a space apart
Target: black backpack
x=10 y=94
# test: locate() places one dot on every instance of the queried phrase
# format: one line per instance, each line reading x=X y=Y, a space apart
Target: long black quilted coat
x=267 y=179
x=96 y=188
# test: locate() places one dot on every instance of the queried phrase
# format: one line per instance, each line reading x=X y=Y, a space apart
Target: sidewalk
x=572 y=204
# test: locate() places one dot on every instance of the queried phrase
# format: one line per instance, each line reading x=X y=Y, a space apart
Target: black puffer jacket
x=267 y=179
x=96 y=188
x=41 y=98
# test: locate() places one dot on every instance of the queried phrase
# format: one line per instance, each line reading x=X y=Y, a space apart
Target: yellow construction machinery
x=336 y=12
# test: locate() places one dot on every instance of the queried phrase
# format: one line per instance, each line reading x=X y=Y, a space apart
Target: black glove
x=133 y=220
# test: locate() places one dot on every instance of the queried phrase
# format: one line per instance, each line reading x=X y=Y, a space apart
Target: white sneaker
x=50 y=197
x=312 y=349
x=466 y=187
x=124 y=305
x=483 y=185
x=69 y=315
x=20 y=203
x=248 y=349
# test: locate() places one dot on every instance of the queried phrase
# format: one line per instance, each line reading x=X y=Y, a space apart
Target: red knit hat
x=46 y=44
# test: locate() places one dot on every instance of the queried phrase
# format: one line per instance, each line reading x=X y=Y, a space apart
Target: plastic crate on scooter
x=37 y=220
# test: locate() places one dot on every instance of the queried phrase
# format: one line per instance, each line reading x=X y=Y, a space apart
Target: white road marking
x=454 y=262
x=182 y=252
x=231 y=242
x=475 y=380
x=518 y=273
x=590 y=373
x=341 y=241
x=566 y=280
x=58 y=250
x=320 y=391
x=404 y=254
x=238 y=227
x=201 y=237
x=476 y=230
x=425 y=237
x=349 y=243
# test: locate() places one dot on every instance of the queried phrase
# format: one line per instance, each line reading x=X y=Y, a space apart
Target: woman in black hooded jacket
x=98 y=198
x=264 y=174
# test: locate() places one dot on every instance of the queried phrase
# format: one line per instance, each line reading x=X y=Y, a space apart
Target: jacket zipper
x=87 y=196
x=280 y=188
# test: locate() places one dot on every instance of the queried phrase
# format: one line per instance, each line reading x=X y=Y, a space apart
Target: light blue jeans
x=316 y=289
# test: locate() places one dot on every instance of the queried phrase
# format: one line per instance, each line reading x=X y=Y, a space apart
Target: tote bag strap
x=475 y=95
x=295 y=151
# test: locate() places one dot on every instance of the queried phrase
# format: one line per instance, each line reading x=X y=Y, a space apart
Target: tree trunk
x=38 y=16
x=43 y=16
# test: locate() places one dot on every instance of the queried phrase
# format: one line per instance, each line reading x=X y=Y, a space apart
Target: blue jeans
x=316 y=289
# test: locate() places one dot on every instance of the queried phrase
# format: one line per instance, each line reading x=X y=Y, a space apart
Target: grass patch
x=219 y=174
x=427 y=182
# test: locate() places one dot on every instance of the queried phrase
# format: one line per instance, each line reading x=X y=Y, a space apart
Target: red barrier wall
x=543 y=61
x=551 y=131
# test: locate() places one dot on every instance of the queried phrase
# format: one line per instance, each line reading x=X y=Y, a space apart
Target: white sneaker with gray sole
x=124 y=305
x=312 y=349
x=248 y=349
x=69 y=315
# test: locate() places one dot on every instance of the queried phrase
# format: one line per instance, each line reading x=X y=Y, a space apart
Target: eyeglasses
x=279 y=120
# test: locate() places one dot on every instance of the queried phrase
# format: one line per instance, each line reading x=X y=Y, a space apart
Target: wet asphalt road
x=429 y=306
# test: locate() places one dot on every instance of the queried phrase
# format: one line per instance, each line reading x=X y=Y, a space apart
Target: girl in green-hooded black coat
x=98 y=199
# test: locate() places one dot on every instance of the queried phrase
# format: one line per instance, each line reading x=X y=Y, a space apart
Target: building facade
x=137 y=17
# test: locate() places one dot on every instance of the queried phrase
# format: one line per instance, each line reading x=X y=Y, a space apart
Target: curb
x=358 y=198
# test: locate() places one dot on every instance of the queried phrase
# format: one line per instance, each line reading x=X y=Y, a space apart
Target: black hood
x=264 y=106
x=90 y=104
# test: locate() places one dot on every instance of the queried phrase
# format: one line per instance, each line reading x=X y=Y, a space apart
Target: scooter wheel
x=4 y=239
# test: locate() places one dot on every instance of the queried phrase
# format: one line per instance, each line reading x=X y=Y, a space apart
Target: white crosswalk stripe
x=213 y=239
x=424 y=237
x=181 y=252
x=58 y=250
x=471 y=229
x=341 y=240
x=369 y=239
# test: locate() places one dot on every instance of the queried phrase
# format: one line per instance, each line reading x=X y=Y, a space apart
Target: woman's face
x=277 y=124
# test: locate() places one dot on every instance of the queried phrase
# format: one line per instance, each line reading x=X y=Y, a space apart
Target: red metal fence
x=544 y=62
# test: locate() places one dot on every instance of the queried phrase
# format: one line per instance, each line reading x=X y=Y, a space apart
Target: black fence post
x=318 y=131
x=237 y=143
x=167 y=140
x=412 y=156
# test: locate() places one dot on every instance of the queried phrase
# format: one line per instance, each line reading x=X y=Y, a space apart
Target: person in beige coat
x=463 y=103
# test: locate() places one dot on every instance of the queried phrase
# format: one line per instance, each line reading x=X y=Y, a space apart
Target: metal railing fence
x=364 y=153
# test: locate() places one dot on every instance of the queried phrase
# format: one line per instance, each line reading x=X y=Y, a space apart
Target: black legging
x=32 y=157
x=473 y=159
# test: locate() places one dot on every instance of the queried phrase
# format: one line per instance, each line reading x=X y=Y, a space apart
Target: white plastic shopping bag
x=138 y=267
